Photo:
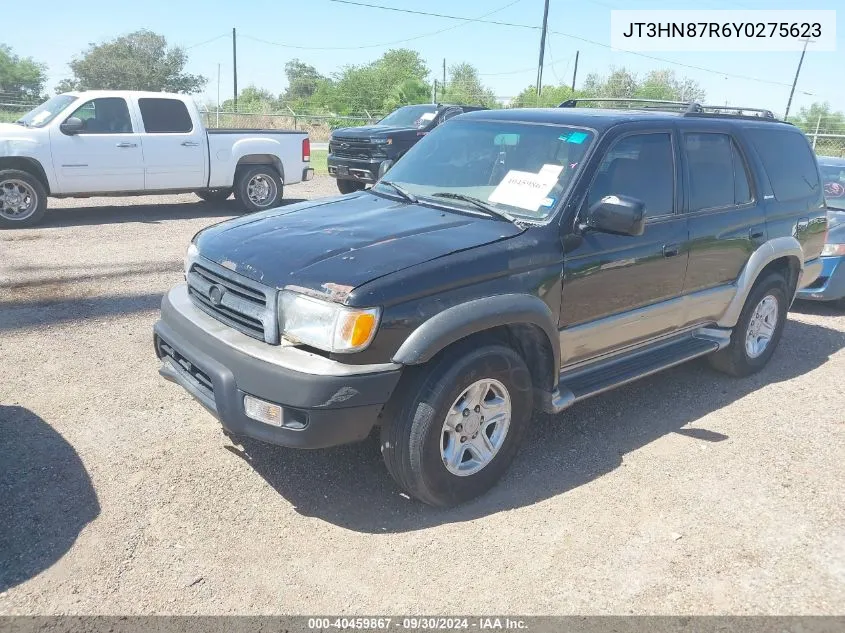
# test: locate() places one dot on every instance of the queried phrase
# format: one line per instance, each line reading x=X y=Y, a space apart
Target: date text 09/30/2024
x=418 y=623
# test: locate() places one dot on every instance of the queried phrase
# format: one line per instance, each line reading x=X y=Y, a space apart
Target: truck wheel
x=213 y=195
x=258 y=187
x=758 y=331
x=349 y=186
x=453 y=428
x=23 y=199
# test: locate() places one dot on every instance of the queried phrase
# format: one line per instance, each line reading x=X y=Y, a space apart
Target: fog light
x=266 y=412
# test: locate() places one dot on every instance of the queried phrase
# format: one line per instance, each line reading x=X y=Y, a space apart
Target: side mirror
x=385 y=165
x=72 y=126
x=620 y=215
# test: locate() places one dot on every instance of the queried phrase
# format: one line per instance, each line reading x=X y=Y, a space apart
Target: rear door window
x=717 y=172
x=165 y=116
x=789 y=162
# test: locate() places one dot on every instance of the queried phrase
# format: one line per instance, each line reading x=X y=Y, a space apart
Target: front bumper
x=336 y=403
x=354 y=168
x=829 y=285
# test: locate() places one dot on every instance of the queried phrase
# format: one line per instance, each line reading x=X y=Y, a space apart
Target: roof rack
x=686 y=108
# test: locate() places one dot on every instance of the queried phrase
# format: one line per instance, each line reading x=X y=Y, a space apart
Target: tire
x=23 y=199
x=736 y=359
x=214 y=195
x=258 y=187
x=349 y=186
x=414 y=441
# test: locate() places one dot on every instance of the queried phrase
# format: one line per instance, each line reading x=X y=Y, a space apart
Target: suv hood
x=336 y=244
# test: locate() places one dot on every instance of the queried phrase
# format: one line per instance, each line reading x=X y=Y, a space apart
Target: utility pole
x=444 y=80
x=816 y=135
x=434 y=91
x=542 y=48
x=235 y=64
x=575 y=72
x=218 y=95
x=795 y=81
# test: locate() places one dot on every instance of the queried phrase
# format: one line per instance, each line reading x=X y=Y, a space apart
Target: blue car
x=830 y=285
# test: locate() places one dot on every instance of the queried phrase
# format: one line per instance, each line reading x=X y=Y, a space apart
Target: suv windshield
x=410 y=116
x=46 y=112
x=833 y=177
x=518 y=168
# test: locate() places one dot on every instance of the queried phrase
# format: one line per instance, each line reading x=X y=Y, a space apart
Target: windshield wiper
x=407 y=195
x=22 y=122
x=477 y=202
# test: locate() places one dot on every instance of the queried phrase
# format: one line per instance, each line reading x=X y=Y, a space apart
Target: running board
x=604 y=374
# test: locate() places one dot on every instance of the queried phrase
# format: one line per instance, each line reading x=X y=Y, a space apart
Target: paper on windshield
x=525 y=189
x=38 y=118
x=427 y=116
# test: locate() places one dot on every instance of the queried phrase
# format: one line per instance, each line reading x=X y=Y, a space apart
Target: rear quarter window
x=789 y=162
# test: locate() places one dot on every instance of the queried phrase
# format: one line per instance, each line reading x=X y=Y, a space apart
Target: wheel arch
x=781 y=254
x=262 y=159
x=524 y=322
x=29 y=165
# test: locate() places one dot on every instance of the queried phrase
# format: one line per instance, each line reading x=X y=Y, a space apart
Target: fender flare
x=463 y=320
x=786 y=246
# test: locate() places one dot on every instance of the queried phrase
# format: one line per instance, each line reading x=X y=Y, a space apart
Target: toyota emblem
x=215 y=295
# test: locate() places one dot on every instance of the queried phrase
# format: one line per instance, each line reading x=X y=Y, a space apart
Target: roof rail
x=686 y=108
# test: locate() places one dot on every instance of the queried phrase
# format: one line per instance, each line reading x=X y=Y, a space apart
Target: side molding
x=460 y=321
x=776 y=248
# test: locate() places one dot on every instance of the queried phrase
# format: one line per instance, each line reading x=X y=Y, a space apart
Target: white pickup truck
x=139 y=143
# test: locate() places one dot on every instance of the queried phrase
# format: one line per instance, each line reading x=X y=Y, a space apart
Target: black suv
x=513 y=260
x=358 y=156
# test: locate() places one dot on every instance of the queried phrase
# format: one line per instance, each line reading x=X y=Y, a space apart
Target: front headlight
x=190 y=256
x=831 y=250
x=325 y=325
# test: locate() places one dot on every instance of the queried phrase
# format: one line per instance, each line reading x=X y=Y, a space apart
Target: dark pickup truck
x=358 y=156
x=513 y=260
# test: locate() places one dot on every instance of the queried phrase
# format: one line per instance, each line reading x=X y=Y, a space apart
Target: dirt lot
x=687 y=492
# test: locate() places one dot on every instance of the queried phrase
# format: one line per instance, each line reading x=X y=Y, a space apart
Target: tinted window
x=417 y=116
x=742 y=189
x=641 y=167
x=165 y=115
x=108 y=115
x=789 y=162
x=711 y=172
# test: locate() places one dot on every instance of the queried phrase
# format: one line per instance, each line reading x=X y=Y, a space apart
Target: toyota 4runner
x=513 y=260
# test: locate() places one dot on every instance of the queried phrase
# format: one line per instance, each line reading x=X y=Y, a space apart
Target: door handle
x=755 y=233
x=190 y=144
x=671 y=250
x=125 y=144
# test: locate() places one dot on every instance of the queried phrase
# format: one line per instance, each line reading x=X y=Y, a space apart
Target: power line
x=363 y=46
x=435 y=15
x=213 y=39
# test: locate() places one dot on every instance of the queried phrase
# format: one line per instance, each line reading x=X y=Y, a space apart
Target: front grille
x=352 y=148
x=233 y=300
x=197 y=376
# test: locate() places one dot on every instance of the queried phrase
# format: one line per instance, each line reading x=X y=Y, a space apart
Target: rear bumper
x=322 y=409
x=828 y=284
x=354 y=168
x=307 y=174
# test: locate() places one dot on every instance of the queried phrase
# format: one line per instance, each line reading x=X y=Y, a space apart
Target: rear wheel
x=453 y=428
x=258 y=187
x=349 y=186
x=23 y=199
x=214 y=195
x=758 y=331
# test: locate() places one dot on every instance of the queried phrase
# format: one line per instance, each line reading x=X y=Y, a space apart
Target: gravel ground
x=687 y=492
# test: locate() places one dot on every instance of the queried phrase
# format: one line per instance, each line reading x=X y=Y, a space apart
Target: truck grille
x=234 y=300
x=351 y=148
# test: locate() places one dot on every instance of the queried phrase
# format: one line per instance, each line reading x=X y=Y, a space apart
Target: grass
x=318 y=161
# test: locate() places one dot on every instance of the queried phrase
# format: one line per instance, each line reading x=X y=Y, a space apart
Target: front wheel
x=23 y=199
x=758 y=331
x=349 y=186
x=453 y=428
x=258 y=187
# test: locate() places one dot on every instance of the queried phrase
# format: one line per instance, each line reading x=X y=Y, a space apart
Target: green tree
x=367 y=88
x=252 y=99
x=464 y=86
x=620 y=83
x=550 y=97
x=409 y=91
x=303 y=80
x=21 y=78
x=138 y=61
x=822 y=115
x=663 y=84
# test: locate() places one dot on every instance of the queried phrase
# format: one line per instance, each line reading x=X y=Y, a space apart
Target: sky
x=329 y=35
